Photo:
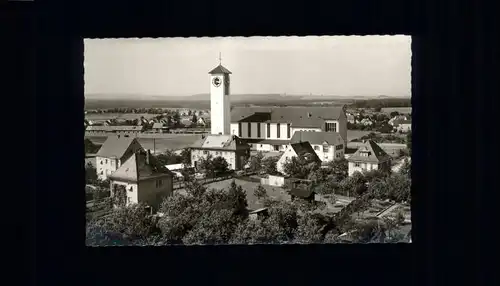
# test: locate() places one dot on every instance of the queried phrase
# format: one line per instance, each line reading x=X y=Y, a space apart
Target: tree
x=90 y=173
x=309 y=229
x=300 y=167
x=194 y=119
x=220 y=165
x=168 y=158
x=186 y=156
x=354 y=185
x=394 y=114
x=255 y=162
x=176 y=118
x=406 y=168
x=260 y=192
x=133 y=222
x=339 y=168
x=214 y=228
x=385 y=128
x=269 y=165
x=408 y=142
x=373 y=175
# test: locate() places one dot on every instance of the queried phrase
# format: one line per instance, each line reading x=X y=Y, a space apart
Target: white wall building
x=143 y=180
x=328 y=146
x=113 y=153
x=270 y=129
x=369 y=157
x=229 y=147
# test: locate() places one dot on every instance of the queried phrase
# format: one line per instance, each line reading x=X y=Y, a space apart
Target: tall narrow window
x=278 y=130
x=288 y=131
x=268 y=130
x=258 y=130
x=239 y=129
x=249 y=129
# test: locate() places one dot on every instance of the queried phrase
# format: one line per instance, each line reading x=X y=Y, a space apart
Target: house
x=301 y=149
x=270 y=129
x=229 y=147
x=369 y=157
x=327 y=145
x=109 y=130
x=403 y=126
x=258 y=214
x=113 y=153
x=159 y=128
x=201 y=121
x=142 y=180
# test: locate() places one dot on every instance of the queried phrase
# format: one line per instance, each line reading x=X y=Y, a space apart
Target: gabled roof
x=318 y=138
x=221 y=142
x=375 y=153
x=304 y=148
x=115 y=146
x=296 y=116
x=137 y=168
x=220 y=70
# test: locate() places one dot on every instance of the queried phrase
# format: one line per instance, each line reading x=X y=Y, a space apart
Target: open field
x=355 y=134
x=168 y=142
x=123 y=116
x=404 y=110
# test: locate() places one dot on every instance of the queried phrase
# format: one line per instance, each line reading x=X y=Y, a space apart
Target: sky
x=327 y=65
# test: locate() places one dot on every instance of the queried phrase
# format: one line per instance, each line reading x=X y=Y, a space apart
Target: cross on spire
x=220 y=59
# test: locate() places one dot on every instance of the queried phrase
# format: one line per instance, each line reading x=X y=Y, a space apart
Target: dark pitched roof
x=221 y=142
x=375 y=153
x=332 y=138
x=220 y=70
x=137 y=168
x=304 y=148
x=115 y=146
x=302 y=192
x=297 y=116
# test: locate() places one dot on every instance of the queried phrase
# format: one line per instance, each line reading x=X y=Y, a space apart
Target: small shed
x=259 y=213
x=302 y=189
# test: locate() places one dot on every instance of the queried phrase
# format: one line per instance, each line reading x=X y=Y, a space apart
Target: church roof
x=297 y=116
x=220 y=70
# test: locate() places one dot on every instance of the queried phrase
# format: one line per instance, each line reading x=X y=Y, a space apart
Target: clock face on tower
x=216 y=81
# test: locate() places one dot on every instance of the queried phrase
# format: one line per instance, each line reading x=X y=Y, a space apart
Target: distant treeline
x=156 y=106
x=381 y=103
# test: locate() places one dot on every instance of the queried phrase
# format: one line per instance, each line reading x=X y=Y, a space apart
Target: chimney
x=148 y=153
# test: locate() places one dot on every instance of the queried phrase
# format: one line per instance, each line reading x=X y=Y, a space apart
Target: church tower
x=220 y=105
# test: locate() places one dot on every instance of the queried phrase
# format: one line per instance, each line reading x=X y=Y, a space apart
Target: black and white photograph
x=248 y=140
